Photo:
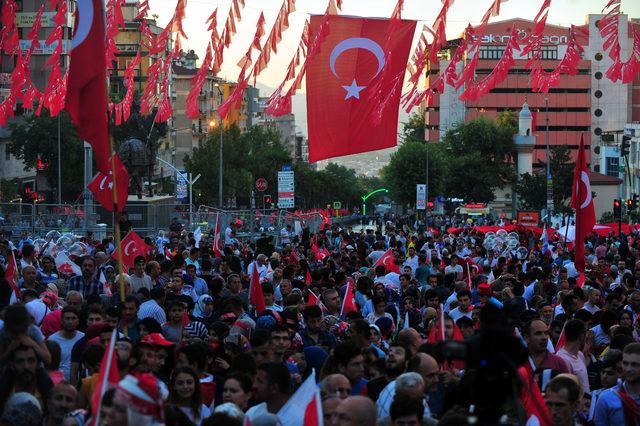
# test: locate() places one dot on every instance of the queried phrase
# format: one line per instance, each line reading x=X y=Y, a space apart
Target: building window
x=598 y=94
x=546 y=52
x=491 y=52
x=598 y=75
x=7 y=154
x=598 y=56
x=613 y=166
x=598 y=112
x=597 y=131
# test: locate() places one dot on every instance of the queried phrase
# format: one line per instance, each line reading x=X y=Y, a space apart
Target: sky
x=562 y=12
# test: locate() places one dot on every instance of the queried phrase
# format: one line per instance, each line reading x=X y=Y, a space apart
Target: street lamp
x=212 y=124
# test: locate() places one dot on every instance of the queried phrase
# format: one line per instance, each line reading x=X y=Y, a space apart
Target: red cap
x=155 y=339
x=484 y=290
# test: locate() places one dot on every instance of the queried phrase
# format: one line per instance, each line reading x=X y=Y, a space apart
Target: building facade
x=586 y=104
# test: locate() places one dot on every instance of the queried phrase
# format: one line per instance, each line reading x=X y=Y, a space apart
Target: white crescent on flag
x=126 y=248
x=585 y=179
x=84 y=22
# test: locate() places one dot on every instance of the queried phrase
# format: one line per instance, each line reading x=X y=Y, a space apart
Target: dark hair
x=157 y=293
x=246 y=383
x=267 y=287
x=92 y=355
x=114 y=311
x=196 y=399
x=16 y=316
x=132 y=299
x=138 y=259
x=56 y=354
x=562 y=382
x=277 y=374
x=401 y=407
x=69 y=309
x=345 y=352
x=464 y=321
x=462 y=293
x=311 y=311
x=573 y=329
x=151 y=324
x=196 y=353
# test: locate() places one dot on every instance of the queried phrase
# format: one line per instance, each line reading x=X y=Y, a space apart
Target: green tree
x=247 y=156
x=37 y=137
x=8 y=189
x=414 y=128
x=532 y=189
x=407 y=168
x=480 y=156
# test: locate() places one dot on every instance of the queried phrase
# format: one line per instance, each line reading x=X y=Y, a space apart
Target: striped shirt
x=151 y=309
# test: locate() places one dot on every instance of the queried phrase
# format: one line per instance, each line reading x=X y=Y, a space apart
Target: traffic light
x=624 y=146
x=617 y=208
x=267 y=201
x=636 y=201
x=629 y=204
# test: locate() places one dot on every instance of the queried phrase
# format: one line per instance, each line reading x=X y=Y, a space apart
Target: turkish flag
x=108 y=377
x=11 y=274
x=86 y=100
x=132 y=246
x=102 y=186
x=531 y=398
x=349 y=302
x=386 y=260
x=256 y=297
x=340 y=106
x=582 y=202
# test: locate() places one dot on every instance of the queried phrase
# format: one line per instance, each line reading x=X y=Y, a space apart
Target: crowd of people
x=447 y=332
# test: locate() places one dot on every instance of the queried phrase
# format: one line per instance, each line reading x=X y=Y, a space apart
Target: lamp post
x=549 y=177
x=190 y=180
x=220 y=175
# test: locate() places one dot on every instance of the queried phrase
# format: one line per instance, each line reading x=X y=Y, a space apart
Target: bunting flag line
x=542 y=81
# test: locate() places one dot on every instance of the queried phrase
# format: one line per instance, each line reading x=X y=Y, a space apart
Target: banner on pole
x=421 y=196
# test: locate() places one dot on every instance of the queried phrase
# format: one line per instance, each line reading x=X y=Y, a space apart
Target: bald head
x=356 y=410
x=336 y=384
x=426 y=366
x=409 y=338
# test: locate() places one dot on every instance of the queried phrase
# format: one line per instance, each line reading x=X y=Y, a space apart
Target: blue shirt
x=77 y=283
x=609 y=408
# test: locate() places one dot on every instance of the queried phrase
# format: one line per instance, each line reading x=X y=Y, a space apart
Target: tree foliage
x=532 y=189
x=480 y=159
x=37 y=137
x=408 y=167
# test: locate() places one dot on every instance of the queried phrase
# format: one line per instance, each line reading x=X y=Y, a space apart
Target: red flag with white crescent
x=86 y=100
x=387 y=261
x=102 y=186
x=582 y=202
x=132 y=246
x=11 y=275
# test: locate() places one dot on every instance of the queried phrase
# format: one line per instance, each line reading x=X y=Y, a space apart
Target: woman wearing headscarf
x=203 y=310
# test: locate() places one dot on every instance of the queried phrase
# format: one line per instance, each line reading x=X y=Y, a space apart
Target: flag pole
x=116 y=221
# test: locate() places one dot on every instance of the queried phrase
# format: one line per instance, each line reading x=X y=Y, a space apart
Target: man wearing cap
x=146 y=353
x=485 y=294
x=138 y=401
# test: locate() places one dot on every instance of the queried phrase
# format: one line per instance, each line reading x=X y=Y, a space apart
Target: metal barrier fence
x=147 y=219
x=38 y=219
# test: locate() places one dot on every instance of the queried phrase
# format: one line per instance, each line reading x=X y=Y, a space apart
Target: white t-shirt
x=256 y=410
x=456 y=314
x=66 y=345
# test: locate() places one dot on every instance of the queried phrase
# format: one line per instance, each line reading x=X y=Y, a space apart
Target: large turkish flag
x=86 y=100
x=582 y=202
x=341 y=104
